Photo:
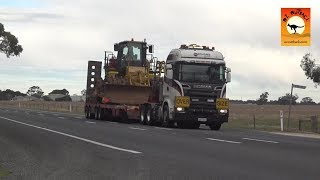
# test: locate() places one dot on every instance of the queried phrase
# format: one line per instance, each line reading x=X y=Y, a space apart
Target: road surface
x=48 y=145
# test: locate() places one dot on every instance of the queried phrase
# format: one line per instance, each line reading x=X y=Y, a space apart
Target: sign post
x=281 y=120
x=293 y=86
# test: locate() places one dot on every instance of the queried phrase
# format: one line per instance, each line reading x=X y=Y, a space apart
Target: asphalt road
x=47 y=145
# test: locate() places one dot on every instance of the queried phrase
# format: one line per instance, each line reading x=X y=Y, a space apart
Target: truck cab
x=194 y=86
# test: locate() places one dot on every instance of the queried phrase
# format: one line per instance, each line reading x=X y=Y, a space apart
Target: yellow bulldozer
x=128 y=75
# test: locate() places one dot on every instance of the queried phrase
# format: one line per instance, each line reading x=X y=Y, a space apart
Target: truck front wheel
x=166 y=120
x=215 y=126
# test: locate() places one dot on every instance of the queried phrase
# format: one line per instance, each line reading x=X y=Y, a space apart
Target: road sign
x=298 y=86
x=293 y=86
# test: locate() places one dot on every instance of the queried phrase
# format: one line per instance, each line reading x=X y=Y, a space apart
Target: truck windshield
x=201 y=73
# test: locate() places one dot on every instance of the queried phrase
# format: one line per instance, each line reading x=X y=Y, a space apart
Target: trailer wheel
x=149 y=119
x=215 y=126
x=143 y=114
x=123 y=116
x=102 y=114
x=87 y=112
x=91 y=115
x=108 y=115
x=166 y=121
x=97 y=113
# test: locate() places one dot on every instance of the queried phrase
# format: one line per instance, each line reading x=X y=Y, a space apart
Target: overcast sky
x=59 y=37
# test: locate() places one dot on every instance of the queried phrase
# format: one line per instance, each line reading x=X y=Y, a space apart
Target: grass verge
x=3 y=172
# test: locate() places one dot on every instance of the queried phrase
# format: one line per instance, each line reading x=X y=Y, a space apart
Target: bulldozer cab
x=130 y=53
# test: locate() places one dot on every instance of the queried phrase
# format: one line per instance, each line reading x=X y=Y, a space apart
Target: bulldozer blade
x=126 y=94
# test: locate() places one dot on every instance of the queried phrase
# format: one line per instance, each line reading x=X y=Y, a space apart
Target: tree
x=9 y=43
x=263 y=98
x=64 y=98
x=47 y=98
x=307 y=101
x=285 y=100
x=310 y=68
x=9 y=94
x=35 y=91
x=58 y=91
x=83 y=92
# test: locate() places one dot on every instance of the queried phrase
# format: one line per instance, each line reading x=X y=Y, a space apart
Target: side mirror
x=151 y=48
x=116 y=47
x=228 y=75
x=169 y=73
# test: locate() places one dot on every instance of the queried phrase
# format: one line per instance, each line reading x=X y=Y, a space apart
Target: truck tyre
x=97 y=113
x=108 y=115
x=143 y=114
x=102 y=112
x=92 y=115
x=215 y=126
x=149 y=119
x=196 y=125
x=166 y=120
x=181 y=125
x=123 y=116
x=87 y=113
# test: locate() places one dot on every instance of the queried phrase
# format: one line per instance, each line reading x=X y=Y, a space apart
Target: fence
x=267 y=117
x=73 y=107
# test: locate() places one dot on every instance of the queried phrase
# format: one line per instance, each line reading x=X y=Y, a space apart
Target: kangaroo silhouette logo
x=295 y=27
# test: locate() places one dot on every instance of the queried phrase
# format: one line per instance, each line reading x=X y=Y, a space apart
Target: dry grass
x=3 y=172
x=241 y=115
x=76 y=107
x=268 y=116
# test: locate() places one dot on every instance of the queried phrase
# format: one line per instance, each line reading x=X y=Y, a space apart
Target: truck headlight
x=223 y=111
x=180 y=109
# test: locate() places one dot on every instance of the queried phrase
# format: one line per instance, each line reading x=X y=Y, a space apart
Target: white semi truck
x=193 y=90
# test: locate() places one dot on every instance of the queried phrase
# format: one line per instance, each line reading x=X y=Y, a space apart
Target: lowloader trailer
x=188 y=89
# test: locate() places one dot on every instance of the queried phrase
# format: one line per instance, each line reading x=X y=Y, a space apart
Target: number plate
x=202 y=119
x=182 y=101
x=222 y=103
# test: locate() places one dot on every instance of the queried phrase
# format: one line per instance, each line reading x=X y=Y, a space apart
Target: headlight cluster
x=180 y=109
x=223 y=111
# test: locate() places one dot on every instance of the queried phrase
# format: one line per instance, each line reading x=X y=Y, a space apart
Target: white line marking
x=74 y=137
x=221 y=140
x=79 y=117
x=113 y=122
x=260 y=140
x=135 y=128
x=61 y=117
x=40 y=114
x=91 y=122
x=164 y=128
